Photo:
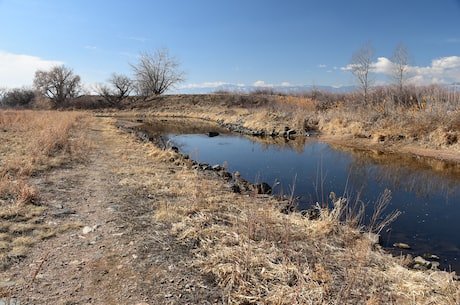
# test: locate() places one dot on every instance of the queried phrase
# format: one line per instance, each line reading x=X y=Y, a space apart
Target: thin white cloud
x=322 y=66
x=135 y=38
x=285 y=84
x=205 y=85
x=261 y=83
x=18 y=70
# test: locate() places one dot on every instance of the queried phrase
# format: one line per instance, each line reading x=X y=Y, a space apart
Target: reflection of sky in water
x=430 y=202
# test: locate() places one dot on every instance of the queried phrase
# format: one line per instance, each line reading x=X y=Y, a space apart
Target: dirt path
x=114 y=251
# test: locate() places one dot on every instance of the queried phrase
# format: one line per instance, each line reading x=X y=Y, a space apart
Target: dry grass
x=261 y=256
x=34 y=141
x=430 y=116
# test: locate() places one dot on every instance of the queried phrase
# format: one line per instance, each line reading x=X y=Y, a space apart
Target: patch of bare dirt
x=114 y=252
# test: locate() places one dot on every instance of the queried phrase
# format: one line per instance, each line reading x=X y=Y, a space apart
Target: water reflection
x=421 y=176
x=425 y=190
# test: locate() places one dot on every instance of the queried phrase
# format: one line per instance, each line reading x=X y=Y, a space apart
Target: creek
x=426 y=191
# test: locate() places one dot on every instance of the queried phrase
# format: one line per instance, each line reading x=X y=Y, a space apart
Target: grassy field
x=240 y=243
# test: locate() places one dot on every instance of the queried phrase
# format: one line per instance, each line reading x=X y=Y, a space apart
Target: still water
x=425 y=191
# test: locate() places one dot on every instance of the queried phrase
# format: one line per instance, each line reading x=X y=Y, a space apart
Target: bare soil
x=118 y=254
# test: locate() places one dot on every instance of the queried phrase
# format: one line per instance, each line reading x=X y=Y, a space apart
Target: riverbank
x=431 y=132
x=135 y=224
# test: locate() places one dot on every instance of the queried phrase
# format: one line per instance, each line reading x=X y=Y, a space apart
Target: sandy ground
x=118 y=254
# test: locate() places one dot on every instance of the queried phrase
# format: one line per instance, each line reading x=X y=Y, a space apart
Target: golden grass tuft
x=22 y=241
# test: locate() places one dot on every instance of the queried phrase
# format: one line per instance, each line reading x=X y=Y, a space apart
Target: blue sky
x=297 y=42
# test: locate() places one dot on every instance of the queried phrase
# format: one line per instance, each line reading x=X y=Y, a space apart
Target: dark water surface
x=428 y=199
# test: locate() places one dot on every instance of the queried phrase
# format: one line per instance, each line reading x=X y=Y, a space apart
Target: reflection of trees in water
x=421 y=176
x=171 y=125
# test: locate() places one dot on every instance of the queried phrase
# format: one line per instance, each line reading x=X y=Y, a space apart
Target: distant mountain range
x=281 y=89
x=250 y=88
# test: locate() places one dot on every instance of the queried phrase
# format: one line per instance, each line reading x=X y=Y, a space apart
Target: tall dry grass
x=32 y=142
x=428 y=116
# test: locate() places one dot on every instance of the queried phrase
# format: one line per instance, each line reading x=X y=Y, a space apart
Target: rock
x=421 y=263
x=216 y=167
x=430 y=256
x=88 y=229
x=243 y=184
x=226 y=175
x=236 y=188
x=401 y=246
x=435 y=265
x=63 y=212
x=312 y=214
x=262 y=188
x=212 y=134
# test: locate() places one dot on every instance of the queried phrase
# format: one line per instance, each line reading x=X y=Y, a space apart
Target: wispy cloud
x=205 y=85
x=261 y=83
x=19 y=69
x=135 y=38
x=322 y=66
x=453 y=40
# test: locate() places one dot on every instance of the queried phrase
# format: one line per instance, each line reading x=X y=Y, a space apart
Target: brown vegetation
x=242 y=244
x=31 y=143
x=424 y=118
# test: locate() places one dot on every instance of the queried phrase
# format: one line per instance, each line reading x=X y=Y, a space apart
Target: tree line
x=154 y=74
x=158 y=71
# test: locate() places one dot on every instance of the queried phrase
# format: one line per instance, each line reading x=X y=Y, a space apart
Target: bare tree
x=156 y=72
x=59 y=84
x=400 y=70
x=361 y=63
x=121 y=87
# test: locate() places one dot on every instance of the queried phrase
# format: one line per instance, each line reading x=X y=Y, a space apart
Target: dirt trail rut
x=117 y=253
